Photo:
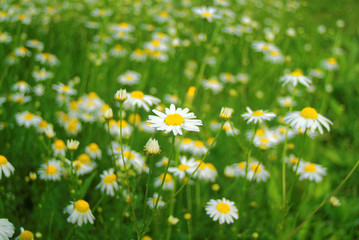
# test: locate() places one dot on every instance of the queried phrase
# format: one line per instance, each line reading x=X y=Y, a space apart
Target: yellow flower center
x=223 y=207
x=183 y=167
x=46 y=56
x=156 y=42
x=207 y=14
x=309 y=113
x=93 y=147
x=226 y=127
x=72 y=126
x=92 y=95
x=109 y=179
x=332 y=61
x=310 y=168
x=129 y=155
x=59 y=144
x=265 y=47
x=51 y=170
x=82 y=206
x=242 y=165
x=124 y=123
x=26 y=235
x=257 y=114
x=174 y=119
x=124 y=24
x=43 y=124
x=210 y=166
x=3 y=160
x=118 y=47
x=198 y=143
x=274 y=53
x=84 y=158
x=29 y=116
x=187 y=140
x=256 y=168
x=297 y=73
x=260 y=132
x=65 y=88
x=264 y=140
x=137 y=94
x=168 y=178
x=293 y=160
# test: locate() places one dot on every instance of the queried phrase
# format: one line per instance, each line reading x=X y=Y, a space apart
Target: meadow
x=140 y=119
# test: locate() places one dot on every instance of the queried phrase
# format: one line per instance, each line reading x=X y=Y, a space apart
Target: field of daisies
x=183 y=119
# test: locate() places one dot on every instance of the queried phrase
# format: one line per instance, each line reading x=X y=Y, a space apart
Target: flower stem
x=148 y=184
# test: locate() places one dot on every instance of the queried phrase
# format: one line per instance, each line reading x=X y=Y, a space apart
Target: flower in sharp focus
x=108 y=114
x=80 y=213
x=72 y=145
x=152 y=147
x=108 y=182
x=175 y=120
x=222 y=210
x=51 y=170
x=307 y=118
x=121 y=95
x=5 y=167
x=7 y=229
x=295 y=77
x=257 y=116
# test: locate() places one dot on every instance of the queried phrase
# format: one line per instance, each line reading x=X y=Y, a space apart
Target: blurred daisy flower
x=47 y=58
x=334 y=201
x=208 y=13
x=186 y=166
x=5 y=167
x=213 y=84
x=168 y=183
x=34 y=43
x=139 y=99
x=308 y=118
x=59 y=148
x=129 y=78
x=222 y=210
x=295 y=77
x=330 y=64
x=227 y=127
x=22 y=52
x=311 y=171
x=151 y=202
x=27 y=119
x=51 y=170
x=94 y=151
x=286 y=101
x=257 y=172
x=80 y=213
x=7 y=229
x=258 y=116
x=174 y=120
x=42 y=75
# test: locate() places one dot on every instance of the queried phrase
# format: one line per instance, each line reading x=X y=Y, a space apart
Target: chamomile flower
x=274 y=57
x=151 y=202
x=256 y=171
x=118 y=51
x=5 y=167
x=59 y=148
x=64 y=89
x=5 y=37
x=186 y=144
x=80 y=213
x=139 y=99
x=206 y=13
x=131 y=158
x=109 y=182
x=186 y=166
x=19 y=98
x=174 y=120
x=227 y=77
x=334 y=201
x=25 y=235
x=198 y=148
x=258 y=116
x=230 y=131
x=168 y=183
x=213 y=84
x=138 y=55
x=129 y=78
x=47 y=58
x=21 y=86
x=115 y=128
x=42 y=75
x=295 y=77
x=286 y=101
x=22 y=52
x=307 y=118
x=330 y=64
x=311 y=171
x=240 y=169
x=318 y=73
x=7 y=229
x=222 y=210
x=94 y=151
x=34 y=43
x=51 y=171
x=264 y=47
x=206 y=172
x=27 y=119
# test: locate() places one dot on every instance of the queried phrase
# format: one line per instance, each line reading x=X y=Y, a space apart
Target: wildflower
x=108 y=182
x=5 y=37
x=257 y=116
x=151 y=202
x=311 y=171
x=47 y=58
x=129 y=78
x=330 y=64
x=80 y=213
x=229 y=130
x=335 y=201
x=206 y=171
x=22 y=52
x=139 y=99
x=51 y=170
x=94 y=151
x=198 y=148
x=226 y=113
x=274 y=56
x=286 y=101
x=108 y=114
x=27 y=119
x=213 y=84
x=257 y=172
x=292 y=160
x=26 y=235
x=295 y=77
x=72 y=145
x=5 y=167
x=22 y=87
x=115 y=128
x=168 y=183
x=118 y=51
x=222 y=210
x=152 y=147
x=7 y=229
x=206 y=13
x=59 y=148
x=307 y=118
x=175 y=120
x=185 y=166
x=227 y=77
x=173 y=220
x=34 y=43
x=131 y=157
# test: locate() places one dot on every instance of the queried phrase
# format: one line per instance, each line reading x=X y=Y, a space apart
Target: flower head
x=226 y=113
x=152 y=147
x=222 y=210
x=80 y=213
x=257 y=116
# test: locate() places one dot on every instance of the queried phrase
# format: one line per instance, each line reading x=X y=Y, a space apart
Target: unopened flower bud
x=226 y=113
x=72 y=145
x=108 y=114
x=121 y=95
x=152 y=147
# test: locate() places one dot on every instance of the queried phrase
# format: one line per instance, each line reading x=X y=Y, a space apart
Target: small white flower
x=222 y=210
x=80 y=213
x=257 y=116
x=7 y=229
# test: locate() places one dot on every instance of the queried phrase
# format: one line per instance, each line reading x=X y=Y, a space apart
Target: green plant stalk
x=148 y=184
x=324 y=201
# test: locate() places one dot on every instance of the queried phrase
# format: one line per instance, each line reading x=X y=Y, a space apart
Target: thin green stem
x=148 y=184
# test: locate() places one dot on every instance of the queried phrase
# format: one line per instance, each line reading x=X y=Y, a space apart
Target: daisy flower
x=307 y=118
x=129 y=78
x=108 y=182
x=227 y=77
x=186 y=144
x=25 y=235
x=206 y=13
x=59 y=148
x=80 y=213
x=222 y=210
x=5 y=37
x=257 y=116
x=116 y=125
x=311 y=171
x=131 y=157
x=34 y=43
x=168 y=183
x=292 y=161
x=27 y=119
x=118 y=51
x=175 y=120
x=139 y=99
x=47 y=58
x=295 y=77
x=206 y=172
x=185 y=166
x=151 y=202
x=286 y=101
x=7 y=229
x=318 y=73
x=330 y=64
x=5 y=167
x=51 y=170
x=42 y=75
x=198 y=148
x=22 y=52
x=257 y=172
x=240 y=169
x=94 y=151
x=274 y=57
x=227 y=127
x=21 y=86
x=213 y=84
x=334 y=201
